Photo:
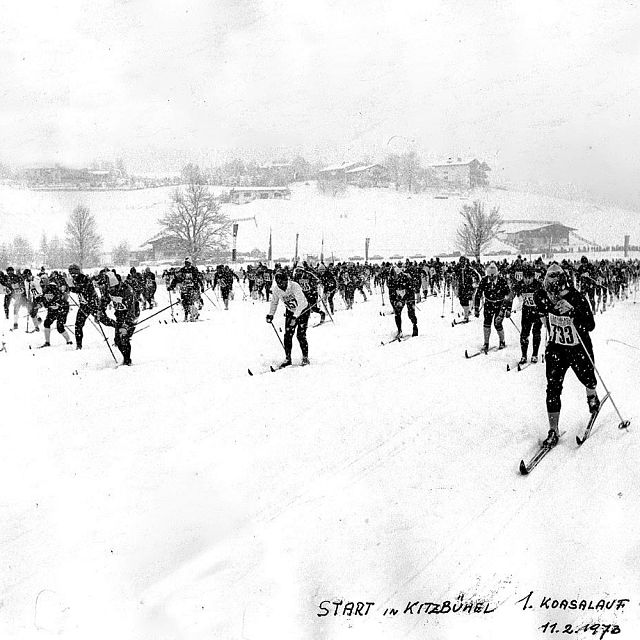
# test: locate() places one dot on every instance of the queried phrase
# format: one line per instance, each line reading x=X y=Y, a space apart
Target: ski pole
x=624 y=424
x=443 y=301
x=99 y=327
x=514 y=324
x=324 y=304
x=278 y=335
x=160 y=311
x=626 y=344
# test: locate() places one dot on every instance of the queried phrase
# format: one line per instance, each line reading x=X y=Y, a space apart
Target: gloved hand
x=564 y=307
x=269 y=318
x=476 y=313
x=507 y=313
x=124 y=329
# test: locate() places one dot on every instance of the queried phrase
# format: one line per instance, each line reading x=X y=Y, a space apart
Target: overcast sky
x=544 y=91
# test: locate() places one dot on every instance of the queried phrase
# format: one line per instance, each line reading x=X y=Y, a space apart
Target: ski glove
x=564 y=307
x=507 y=313
x=269 y=318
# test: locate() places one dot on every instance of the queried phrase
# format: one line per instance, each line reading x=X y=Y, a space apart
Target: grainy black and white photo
x=319 y=320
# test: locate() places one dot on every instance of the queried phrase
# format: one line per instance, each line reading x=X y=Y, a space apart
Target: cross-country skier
x=88 y=302
x=401 y=293
x=190 y=281
x=57 y=307
x=308 y=282
x=530 y=319
x=296 y=314
x=224 y=277
x=497 y=304
x=122 y=297
x=465 y=277
x=569 y=322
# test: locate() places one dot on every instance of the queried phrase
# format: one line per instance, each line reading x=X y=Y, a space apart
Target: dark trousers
x=81 y=317
x=530 y=322
x=558 y=361
x=493 y=312
x=299 y=327
x=59 y=316
x=398 y=305
x=123 y=342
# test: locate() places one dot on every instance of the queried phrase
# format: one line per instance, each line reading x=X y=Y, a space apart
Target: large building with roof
x=530 y=237
x=460 y=174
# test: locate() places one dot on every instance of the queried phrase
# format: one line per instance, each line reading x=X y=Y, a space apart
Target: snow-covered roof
x=233 y=189
x=337 y=167
x=365 y=168
x=453 y=162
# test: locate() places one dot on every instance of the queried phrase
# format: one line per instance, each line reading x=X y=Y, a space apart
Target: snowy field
x=398 y=223
x=182 y=499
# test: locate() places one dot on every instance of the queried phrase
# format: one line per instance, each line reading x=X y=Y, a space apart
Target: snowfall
x=182 y=498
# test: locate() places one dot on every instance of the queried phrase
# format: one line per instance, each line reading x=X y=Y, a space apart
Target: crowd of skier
x=564 y=296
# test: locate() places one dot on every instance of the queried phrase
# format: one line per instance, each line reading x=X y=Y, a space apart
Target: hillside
x=396 y=222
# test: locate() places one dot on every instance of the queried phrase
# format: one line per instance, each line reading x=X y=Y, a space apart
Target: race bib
x=563 y=330
x=518 y=275
x=528 y=300
x=117 y=303
x=290 y=302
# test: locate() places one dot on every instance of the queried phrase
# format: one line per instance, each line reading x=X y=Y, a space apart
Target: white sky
x=544 y=91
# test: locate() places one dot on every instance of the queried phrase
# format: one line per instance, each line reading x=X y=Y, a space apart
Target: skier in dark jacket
x=569 y=322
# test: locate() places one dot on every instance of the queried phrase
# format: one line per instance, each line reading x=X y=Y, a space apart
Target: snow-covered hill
x=183 y=499
x=396 y=222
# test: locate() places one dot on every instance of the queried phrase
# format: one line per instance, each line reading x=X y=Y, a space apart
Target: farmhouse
x=459 y=173
x=370 y=175
x=242 y=195
x=540 y=239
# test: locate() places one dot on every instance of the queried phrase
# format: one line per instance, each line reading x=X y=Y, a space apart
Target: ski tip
x=508 y=368
x=579 y=441
x=523 y=468
x=272 y=369
x=249 y=372
x=519 y=367
x=466 y=353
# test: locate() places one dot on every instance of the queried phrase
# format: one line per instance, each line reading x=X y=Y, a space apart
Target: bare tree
x=121 y=253
x=195 y=220
x=83 y=241
x=478 y=228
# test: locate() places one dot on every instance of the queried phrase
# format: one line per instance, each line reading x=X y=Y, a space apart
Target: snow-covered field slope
x=183 y=499
x=396 y=222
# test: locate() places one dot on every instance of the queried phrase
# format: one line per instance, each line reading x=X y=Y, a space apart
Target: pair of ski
x=544 y=449
x=520 y=366
x=273 y=369
x=473 y=354
x=398 y=338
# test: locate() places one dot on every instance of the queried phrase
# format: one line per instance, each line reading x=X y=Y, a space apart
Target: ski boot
x=305 y=361
x=523 y=360
x=534 y=359
x=502 y=345
x=485 y=348
x=415 y=330
x=286 y=363
x=594 y=403
x=551 y=439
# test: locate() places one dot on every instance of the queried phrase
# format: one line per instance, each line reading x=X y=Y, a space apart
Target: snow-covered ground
x=397 y=223
x=183 y=499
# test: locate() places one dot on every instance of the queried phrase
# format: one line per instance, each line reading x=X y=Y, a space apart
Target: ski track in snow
x=199 y=502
